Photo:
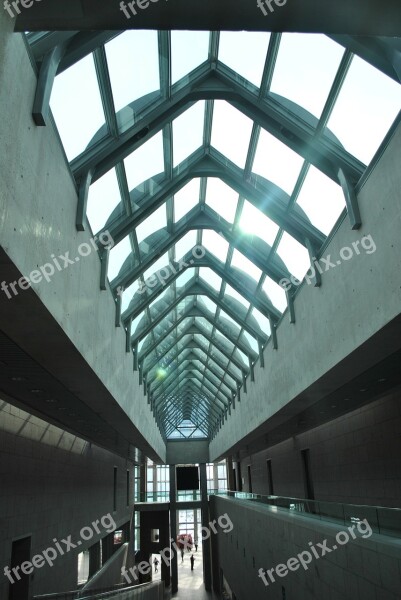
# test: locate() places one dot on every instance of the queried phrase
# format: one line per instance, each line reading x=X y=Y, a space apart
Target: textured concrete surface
x=187 y=452
x=326 y=346
x=52 y=485
x=363 y=569
x=354 y=459
x=60 y=321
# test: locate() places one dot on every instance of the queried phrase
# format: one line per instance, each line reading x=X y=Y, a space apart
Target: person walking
x=182 y=555
x=156 y=563
x=192 y=559
x=196 y=545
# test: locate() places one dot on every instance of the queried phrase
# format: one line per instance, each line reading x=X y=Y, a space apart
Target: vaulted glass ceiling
x=213 y=161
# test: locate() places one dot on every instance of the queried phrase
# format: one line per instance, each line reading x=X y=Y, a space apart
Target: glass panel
x=210 y=278
x=255 y=222
x=185 y=244
x=185 y=277
x=103 y=197
x=241 y=262
x=138 y=77
x=365 y=109
x=210 y=305
x=322 y=200
x=231 y=132
x=161 y=263
x=117 y=256
x=245 y=53
x=251 y=340
x=305 y=69
x=188 y=132
x=127 y=297
x=275 y=293
x=215 y=243
x=294 y=255
x=276 y=162
x=145 y=162
x=234 y=294
x=221 y=198
x=77 y=107
x=186 y=198
x=156 y=221
x=189 y=49
x=262 y=321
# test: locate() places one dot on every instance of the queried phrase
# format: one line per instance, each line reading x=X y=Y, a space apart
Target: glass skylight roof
x=257 y=169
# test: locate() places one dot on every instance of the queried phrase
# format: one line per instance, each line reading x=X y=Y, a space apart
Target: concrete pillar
x=207 y=575
x=173 y=529
x=230 y=474
x=142 y=481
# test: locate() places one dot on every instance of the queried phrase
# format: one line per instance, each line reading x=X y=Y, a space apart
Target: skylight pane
x=253 y=221
x=277 y=162
x=161 y=263
x=103 y=197
x=117 y=256
x=241 y=262
x=294 y=255
x=234 y=294
x=262 y=321
x=127 y=296
x=145 y=162
x=221 y=198
x=251 y=340
x=185 y=244
x=188 y=132
x=275 y=293
x=185 y=277
x=305 y=69
x=367 y=105
x=76 y=106
x=210 y=305
x=189 y=49
x=231 y=132
x=322 y=200
x=186 y=199
x=130 y=81
x=210 y=277
x=156 y=221
x=245 y=53
x=216 y=244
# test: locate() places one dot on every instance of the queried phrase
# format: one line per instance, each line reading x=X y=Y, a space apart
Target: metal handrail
x=382 y=519
x=116 y=590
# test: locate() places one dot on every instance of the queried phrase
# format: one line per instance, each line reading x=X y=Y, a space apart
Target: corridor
x=190 y=583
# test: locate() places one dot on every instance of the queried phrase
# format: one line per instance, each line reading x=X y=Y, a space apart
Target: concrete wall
x=52 y=485
x=363 y=569
x=187 y=452
x=356 y=300
x=354 y=459
x=38 y=201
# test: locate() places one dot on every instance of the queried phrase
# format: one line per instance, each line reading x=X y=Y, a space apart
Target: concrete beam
x=359 y=17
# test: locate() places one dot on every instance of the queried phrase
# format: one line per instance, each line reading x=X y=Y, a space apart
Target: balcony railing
x=381 y=519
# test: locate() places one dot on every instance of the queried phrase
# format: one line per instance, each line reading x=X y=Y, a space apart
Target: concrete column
x=207 y=576
x=230 y=474
x=173 y=529
x=142 y=481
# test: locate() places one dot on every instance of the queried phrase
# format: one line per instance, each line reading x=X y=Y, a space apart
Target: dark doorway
x=249 y=479
x=20 y=552
x=270 y=477
x=308 y=483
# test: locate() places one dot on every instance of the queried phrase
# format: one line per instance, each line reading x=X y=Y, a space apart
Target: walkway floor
x=190 y=583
